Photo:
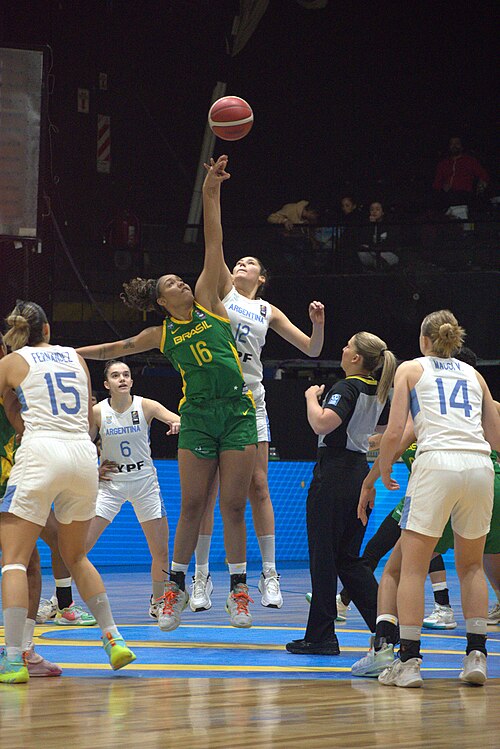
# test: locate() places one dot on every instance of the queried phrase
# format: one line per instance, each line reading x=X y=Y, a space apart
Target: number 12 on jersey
x=459 y=390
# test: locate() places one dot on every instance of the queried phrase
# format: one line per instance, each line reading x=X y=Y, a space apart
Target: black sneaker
x=326 y=647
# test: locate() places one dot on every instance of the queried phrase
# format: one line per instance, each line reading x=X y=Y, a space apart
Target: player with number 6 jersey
x=127 y=472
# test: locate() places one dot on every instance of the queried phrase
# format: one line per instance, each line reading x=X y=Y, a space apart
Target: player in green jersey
x=218 y=428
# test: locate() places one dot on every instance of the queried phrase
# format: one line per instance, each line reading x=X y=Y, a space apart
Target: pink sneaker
x=38 y=666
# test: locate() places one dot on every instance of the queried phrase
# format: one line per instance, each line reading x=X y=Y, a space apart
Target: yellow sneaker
x=118 y=653
x=13 y=672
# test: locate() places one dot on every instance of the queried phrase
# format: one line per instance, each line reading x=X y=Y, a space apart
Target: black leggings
x=377 y=547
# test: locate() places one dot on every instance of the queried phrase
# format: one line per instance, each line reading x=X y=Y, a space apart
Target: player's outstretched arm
x=155 y=410
x=311 y=345
x=146 y=340
x=207 y=286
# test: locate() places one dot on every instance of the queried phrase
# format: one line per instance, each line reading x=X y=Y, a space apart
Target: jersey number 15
x=68 y=406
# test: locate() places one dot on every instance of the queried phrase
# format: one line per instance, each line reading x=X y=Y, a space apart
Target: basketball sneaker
x=155 y=606
x=237 y=606
x=201 y=588
x=474 y=670
x=117 y=651
x=342 y=609
x=47 y=609
x=175 y=601
x=13 y=672
x=269 y=586
x=74 y=615
x=400 y=674
x=375 y=661
x=494 y=614
x=39 y=666
x=441 y=618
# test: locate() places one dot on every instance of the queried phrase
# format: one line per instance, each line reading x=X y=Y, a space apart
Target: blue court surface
x=205 y=645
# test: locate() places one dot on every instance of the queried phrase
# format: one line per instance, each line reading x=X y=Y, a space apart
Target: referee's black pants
x=334 y=534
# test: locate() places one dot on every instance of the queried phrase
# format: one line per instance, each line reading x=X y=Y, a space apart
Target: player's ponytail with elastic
x=377 y=356
x=142 y=294
x=25 y=325
x=444 y=332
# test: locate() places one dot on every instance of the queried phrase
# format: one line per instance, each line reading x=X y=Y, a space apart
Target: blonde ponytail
x=376 y=355
x=444 y=332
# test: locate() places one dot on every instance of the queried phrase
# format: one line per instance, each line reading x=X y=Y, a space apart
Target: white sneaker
x=269 y=586
x=155 y=606
x=441 y=618
x=237 y=606
x=342 y=609
x=494 y=614
x=46 y=610
x=201 y=587
x=401 y=674
x=375 y=661
x=175 y=601
x=474 y=670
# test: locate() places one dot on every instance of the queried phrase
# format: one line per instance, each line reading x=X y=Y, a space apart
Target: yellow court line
x=41 y=629
x=213 y=668
x=165 y=645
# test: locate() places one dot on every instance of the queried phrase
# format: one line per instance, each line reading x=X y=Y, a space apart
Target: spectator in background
x=292 y=214
x=458 y=177
x=298 y=221
x=378 y=240
x=351 y=213
x=350 y=220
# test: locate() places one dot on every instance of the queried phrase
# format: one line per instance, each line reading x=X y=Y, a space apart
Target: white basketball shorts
x=52 y=467
x=143 y=493
x=446 y=484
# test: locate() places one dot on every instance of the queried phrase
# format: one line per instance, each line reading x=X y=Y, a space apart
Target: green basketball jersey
x=409 y=455
x=7 y=448
x=203 y=350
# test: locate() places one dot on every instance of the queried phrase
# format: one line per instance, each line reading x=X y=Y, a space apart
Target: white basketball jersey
x=250 y=320
x=446 y=406
x=125 y=440
x=54 y=394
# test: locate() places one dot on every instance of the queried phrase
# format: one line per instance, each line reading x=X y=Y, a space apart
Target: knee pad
x=9 y=567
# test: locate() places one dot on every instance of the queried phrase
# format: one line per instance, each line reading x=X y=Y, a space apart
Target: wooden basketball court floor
x=208 y=684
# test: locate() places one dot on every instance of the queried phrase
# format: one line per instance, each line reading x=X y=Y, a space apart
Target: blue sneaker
x=13 y=672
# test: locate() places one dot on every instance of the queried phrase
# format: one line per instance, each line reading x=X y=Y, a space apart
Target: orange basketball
x=230 y=118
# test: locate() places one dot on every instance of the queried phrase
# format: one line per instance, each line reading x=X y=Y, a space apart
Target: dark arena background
x=103 y=132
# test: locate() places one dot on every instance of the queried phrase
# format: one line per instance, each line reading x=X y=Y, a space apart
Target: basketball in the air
x=230 y=118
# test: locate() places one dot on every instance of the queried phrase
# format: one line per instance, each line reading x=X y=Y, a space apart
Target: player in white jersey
x=251 y=317
x=456 y=425
x=56 y=462
x=127 y=471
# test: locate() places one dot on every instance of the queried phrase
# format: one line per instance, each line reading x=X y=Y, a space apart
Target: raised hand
x=317 y=313
x=216 y=171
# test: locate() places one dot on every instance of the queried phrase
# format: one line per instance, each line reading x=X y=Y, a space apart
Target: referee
x=353 y=410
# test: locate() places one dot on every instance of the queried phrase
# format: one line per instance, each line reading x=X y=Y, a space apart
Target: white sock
x=267 y=545
x=201 y=569
x=238 y=569
x=29 y=629
x=202 y=551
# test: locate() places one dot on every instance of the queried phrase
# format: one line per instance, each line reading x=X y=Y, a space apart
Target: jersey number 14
x=459 y=391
